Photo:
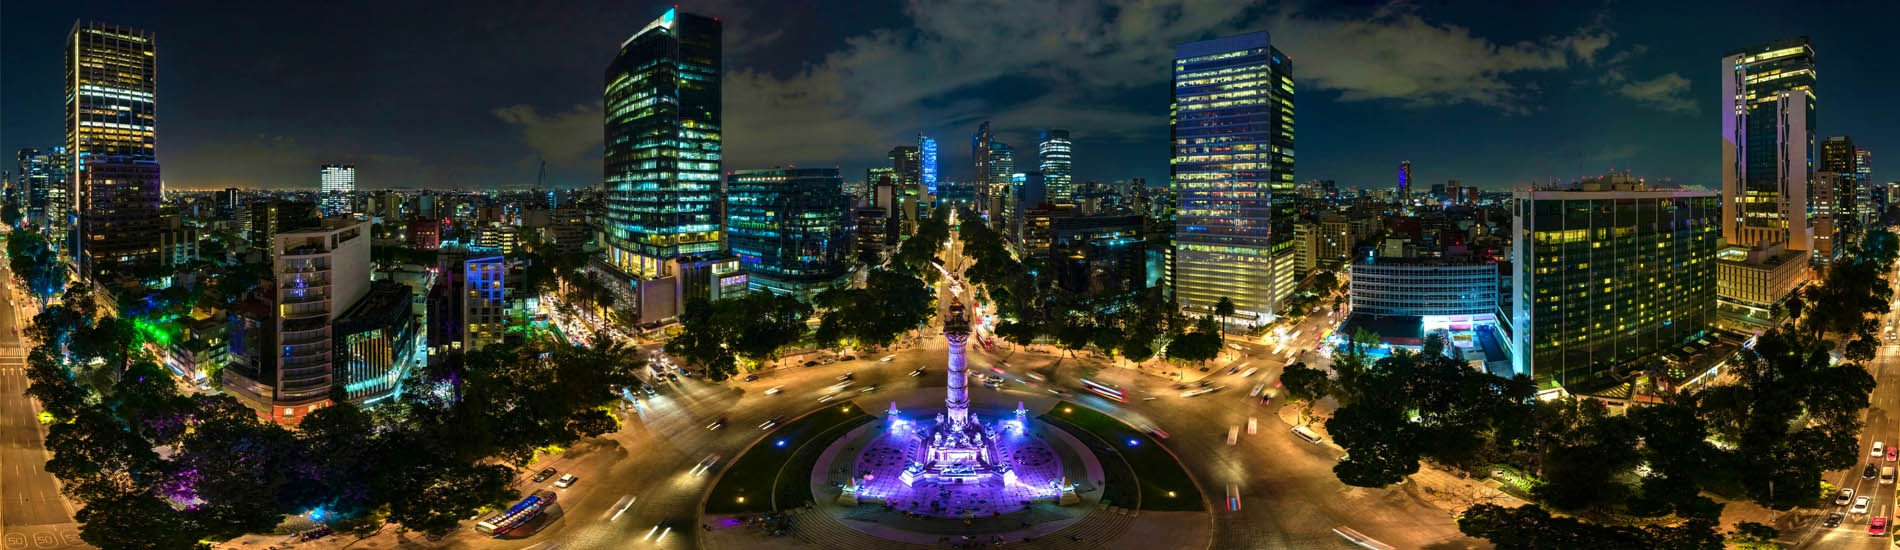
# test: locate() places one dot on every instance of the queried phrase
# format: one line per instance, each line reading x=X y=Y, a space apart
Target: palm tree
x=1224 y=308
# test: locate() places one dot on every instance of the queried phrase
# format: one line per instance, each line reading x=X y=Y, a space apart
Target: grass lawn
x=1159 y=473
x=746 y=484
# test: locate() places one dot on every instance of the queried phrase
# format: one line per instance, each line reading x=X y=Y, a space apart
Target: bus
x=516 y=516
x=1104 y=390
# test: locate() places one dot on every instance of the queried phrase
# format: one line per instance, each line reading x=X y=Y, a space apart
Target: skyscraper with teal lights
x=787 y=225
x=1056 y=165
x=1231 y=128
x=662 y=168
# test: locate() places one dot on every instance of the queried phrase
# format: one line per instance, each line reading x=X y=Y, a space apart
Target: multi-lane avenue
x=33 y=514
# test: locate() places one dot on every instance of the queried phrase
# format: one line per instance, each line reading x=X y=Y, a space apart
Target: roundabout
x=952 y=473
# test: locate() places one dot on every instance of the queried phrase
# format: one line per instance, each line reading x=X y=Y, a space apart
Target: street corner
x=43 y=536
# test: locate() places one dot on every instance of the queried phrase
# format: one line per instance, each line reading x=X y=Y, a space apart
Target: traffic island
x=749 y=484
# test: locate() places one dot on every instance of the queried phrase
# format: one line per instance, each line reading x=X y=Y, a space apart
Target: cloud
x=1066 y=63
x=1396 y=55
x=563 y=138
x=1618 y=152
x=735 y=18
x=1668 y=92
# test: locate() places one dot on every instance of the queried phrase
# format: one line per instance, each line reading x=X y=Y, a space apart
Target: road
x=1880 y=424
x=1290 y=497
x=33 y=513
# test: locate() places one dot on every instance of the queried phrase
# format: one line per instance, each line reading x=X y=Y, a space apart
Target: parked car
x=543 y=475
x=752 y=378
x=566 y=481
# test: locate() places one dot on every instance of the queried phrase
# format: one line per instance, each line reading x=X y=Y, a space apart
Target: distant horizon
x=1488 y=97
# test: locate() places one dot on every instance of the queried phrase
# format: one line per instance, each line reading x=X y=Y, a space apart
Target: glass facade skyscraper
x=1607 y=275
x=1231 y=127
x=787 y=226
x=928 y=147
x=1057 y=165
x=662 y=169
x=339 y=188
x=1768 y=144
x=111 y=138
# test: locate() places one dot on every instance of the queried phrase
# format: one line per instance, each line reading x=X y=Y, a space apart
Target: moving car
x=868 y=389
x=918 y=372
x=1879 y=449
x=887 y=359
x=827 y=398
x=769 y=424
x=1870 y=472
x=1886 y=475
x=1834 y=519
x=717 y=424
x=847 y=376
x=543 y=475
x=1312 y=437
x=1861 y=504
x=1893 y=454
x=705 y=465
x=566 y=481
x=752 y=378
x=1846 y=496
x=1877 y=527
x=775 y=390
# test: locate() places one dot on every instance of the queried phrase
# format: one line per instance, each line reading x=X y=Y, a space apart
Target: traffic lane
x=1878 y=424
x=31 y=494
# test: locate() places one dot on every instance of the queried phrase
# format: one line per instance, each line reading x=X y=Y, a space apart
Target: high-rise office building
x=228 y=204
x=1232 y=171
x=663 y=128
x=880 y=176
x=1057 y=165
x=980 y=157
x=788 y=228
x=111 y=140
x=39 y=174
x=1607 y=273
x=664 y=237
x=907 y=164
x=338 y=187
x=1405 y=180
x=928 y=148
x=1001 y=160
x=1768 y=144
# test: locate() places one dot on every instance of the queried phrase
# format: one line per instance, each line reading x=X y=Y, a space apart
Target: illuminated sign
x=732 y=281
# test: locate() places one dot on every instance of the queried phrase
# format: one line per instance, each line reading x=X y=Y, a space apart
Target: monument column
x=956 y=330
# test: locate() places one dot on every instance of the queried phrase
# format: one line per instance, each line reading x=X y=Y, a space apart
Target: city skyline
x=1630 y=94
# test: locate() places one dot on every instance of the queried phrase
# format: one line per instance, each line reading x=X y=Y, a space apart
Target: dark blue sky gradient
x=447 y=94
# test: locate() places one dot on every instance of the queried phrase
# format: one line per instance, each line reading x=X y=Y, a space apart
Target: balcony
x=305 y=323
x=304 y=295
x=305 y=362
x=306 y=339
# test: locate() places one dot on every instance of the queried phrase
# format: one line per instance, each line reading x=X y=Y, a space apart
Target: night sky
x=442 y=94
